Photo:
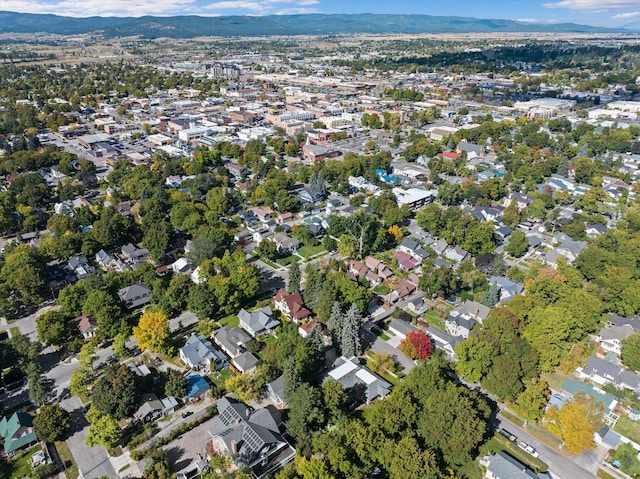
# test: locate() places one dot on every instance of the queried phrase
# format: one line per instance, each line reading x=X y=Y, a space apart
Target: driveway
x=185 y=449
x=93 y=462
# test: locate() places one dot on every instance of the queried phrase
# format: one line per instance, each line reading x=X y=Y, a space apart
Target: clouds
x=626 y=16
x=138 y=8
x=594 y=5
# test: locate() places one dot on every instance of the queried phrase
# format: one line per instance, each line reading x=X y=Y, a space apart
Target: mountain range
x=320 y=24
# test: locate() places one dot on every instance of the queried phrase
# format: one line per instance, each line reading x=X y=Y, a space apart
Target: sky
x=590 y=12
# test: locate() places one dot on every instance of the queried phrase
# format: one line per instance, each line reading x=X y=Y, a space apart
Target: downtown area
x=346 y=256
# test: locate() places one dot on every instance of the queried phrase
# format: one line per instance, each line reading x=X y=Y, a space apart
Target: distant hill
x=323 y=24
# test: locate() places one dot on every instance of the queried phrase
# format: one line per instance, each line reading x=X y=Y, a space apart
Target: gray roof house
x=79 y=266
x=567 y=248
x=401 y=328
x=232 y=340
x=245 y=361
x=152 y=407
x=358 y=379
x=459 y=325
x=104 y=259
x=610 y=339
x=503 y=466
x=472 y=310
x=603 y=372
x=275 y=389
x=508 y=288
x=413 y=249
x=135 y=295
x=198 y=353
x=258 y=322
x=444 y=341
x=249 y=437
x=133 y=254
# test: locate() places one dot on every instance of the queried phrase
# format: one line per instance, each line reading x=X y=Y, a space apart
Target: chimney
x=476 y=315
x=234 y=446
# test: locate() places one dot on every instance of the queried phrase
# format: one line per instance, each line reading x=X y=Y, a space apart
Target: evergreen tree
x=350 y=333
x=491 y=296
x=335 y=321
x=294 y=277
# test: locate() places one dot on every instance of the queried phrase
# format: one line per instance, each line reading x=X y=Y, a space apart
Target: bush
x=45 y=470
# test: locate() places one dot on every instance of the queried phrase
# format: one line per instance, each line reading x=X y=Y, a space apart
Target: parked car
x=507 y=434
x=186 y=414
x=526 y=447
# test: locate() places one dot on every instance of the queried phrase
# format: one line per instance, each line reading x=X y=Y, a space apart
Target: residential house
x=523 y=201
x=507 y=287
x=405 y=261
x=197 y=388
x=232 y=340
x=471 y=149
x=291 y=305
x=17 y=432
x=413 y=249
x=141 y=370
x=79 y=267
x=455 y=253
x=275 y=390
x=459 y=326
x=616 y=320
x=439 y=246
x=104 y=259
x=503 y=466
x=181 y=266
x=133 y=254
x=311 y=196
x=198 y=353
x=249 y=436
x=245 y=361
x=610 y=339
x=124 y=208
x=134 y=296
x=571 y=387
x=607 y=437
x=403 y=289
x=357 y=269
x=258 y=322
x=567 y=248
x=378 y=267
x=603 y=372
x=401 y=328
x=444 y=341
x=358 y=381
x=285 y=217
x=152 y=408
x=263 y=214
x=472 y=310
x=87 y=326
x=285 y=243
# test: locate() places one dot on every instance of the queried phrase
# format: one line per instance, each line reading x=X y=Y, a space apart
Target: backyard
x=625 y=458
x=20 y=464
x=628 y=428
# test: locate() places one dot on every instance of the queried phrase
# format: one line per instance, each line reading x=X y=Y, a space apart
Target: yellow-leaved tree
x=152 y=331
x=576 y=422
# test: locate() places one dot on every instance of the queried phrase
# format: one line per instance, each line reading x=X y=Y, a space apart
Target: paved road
x=93 y=462
x=561 y=467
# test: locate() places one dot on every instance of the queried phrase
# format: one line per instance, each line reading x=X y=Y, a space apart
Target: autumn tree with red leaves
x=417 y=345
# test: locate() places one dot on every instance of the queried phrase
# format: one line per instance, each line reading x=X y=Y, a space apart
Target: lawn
x=434 y=319
x=499 y=443
x=556 y=379
x=382 y=289
x=626 y=456
x=628 y=428
x=67 y=459
x=20 y=464
x=287 y=260
x=309 y=251
x=231 y=320
x=379 y=333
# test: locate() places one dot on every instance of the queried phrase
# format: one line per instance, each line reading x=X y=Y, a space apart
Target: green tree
x=104 y=431
x=116 y=392
x=350 y=332
x=305 y=411
x=157 y=239
x=104 y=308
x=295 y=277
x=176 y=384
x=52 y=328
x=267 y=249
x=518 y=244
x=631 y=351
x=491 y=296
x=531 y=402
x=51 y=423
